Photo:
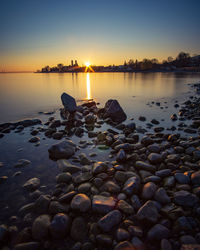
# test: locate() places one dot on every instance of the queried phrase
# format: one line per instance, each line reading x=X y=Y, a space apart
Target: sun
x=87 y=64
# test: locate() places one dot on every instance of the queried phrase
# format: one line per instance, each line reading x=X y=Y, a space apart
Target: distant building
x=72 y=63
x=76 y=63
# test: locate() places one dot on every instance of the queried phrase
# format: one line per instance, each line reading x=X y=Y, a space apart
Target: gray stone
x=55 y=207
x=42 y=204
x=184 y=198
x=79 y=229
x=110 y=220
x=66 y=166
x=111 y=187
x=81 y=202
x=158 y=232
x=67 y=197
x=121 y=156
x=163 y=173
x=148 y=212
x=60 y=225
x=122 y=234
x=132 y=185
x=140 y=165
x=68 y=102
x=124 y=245
x=114 y=111
x=124 y=207
x=195 y=178
x=22 y=163
x=166 y=245
x=62 y=150
x=40 y=227
x=34 y=139
x=161 y=196
x=32 y=184
x=182 y=178
x=148 y=190
x=63 y=178
x=155 y=158
x=104 y=240
x=27 y=246
x=102 y=204
x=99 y=167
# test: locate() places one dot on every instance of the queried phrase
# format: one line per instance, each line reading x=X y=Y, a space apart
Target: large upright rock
x=62 y=150
x=113 y=110
x=68 y=102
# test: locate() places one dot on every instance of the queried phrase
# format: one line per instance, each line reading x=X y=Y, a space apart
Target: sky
x=36 y=33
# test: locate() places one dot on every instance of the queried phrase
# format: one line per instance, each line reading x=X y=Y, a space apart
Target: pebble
x=81 y=202
x=110 y=220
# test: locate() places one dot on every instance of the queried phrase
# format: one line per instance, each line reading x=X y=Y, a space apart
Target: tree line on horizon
x=182 y=61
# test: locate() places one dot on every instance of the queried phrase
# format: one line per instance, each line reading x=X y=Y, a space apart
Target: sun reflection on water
x=88 y=87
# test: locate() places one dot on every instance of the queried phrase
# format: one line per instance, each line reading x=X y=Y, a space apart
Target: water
x=24 y=95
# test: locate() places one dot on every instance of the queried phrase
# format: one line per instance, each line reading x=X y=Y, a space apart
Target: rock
x=155 y=158
x=169 y=181
x=40 y=227
x=137 y=244
x=32 y=184
x=161 y=196
x=154 y=148
x=102 y=204
x=22 y=163
x=184 y=198
x=114 y=111
x=163 y=173
x=104 y=240
x=146 y=141
x=122 y=234
x=182 y=178
x=63 y=178
x=99 y=167
x=187 y=239
x=81 y=202
x=124 y=245
x=66 y=166
x=142 y=118
x=34 y=139
x=68 y=102
x=62 y=150
x=55 y=207
x=42 y=204
x=28 y=122
x=124 y=207
x=3 y=232
x=82 y=177
x=132 y=185
x=148 y=190
x=111 y=187
x=57 y=135
x=154 y=121
x=84 y=188
x=148 y=212
x=60 y=225
x=120 y=176
x=67 y=197
x=110 y=220
x=165 y=244
x=158 y=232
x=28 y=208
x=140 y=165
x=84 y=159
x=121 y=156
x=135 y=202
x=195 y=178
x=28 y=246
x=90 y=119
x=79 y=229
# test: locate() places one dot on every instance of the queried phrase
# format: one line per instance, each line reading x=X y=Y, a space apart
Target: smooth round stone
x=152 y=178
x=195 y=178
x=40 y=227
x=148 y=212
x=165 y=244
x=121 y=196
x=124 y=245
x=32 y=184
x=79 y=229
x=63 y=178
x=98 y=182
x=182 y=178
x=161 y=196
x=124 y=207
x=42 y=204
x=154 y=148
x=104 y=240
x=148 y=190
x=111 y=187
x=102 y=204
x=158 y=232
x=163 y=173
x=110 y=220
x=60 y=225
x=187 y=239
x=84 y=188
x=155 y=158
x=122 y=234
x=81 y=202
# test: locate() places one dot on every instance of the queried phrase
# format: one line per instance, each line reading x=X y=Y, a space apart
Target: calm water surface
x=23 y=95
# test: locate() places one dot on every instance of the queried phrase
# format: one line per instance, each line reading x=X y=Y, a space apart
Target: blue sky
x=40 y=32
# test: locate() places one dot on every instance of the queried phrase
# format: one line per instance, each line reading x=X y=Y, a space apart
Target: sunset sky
x=45 y=32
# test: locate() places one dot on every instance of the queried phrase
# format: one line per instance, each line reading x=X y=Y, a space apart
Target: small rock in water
x=81 y=202
x=62 y=150
x=34 y=139
x=40 y=227
x=32 y=184
x=110 y=220
x=22 y=163
x=60 y=225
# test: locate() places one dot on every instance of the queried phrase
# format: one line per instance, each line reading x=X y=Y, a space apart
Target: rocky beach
x=110 y=183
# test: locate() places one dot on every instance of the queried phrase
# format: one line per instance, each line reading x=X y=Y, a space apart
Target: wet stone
x=34 y=139
x=110 y=220
x=102 y=204
x=132 y=185
x=161 y=196
x=63 y=178
x=155 y=158
x=62 y=150
x=148 y=212
x=148 y=190
x=81 y=202
x=79 y=229
x=32 y=184
x=122 y=234
x=40 y=227
x=60 y=225
x=182 y=178
x=124 y=207
x=66 y=166
x=184 y=198
x=42 y=204
x=124 y=245
x=99 y=167
x=140 y=165
x=158 y=232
